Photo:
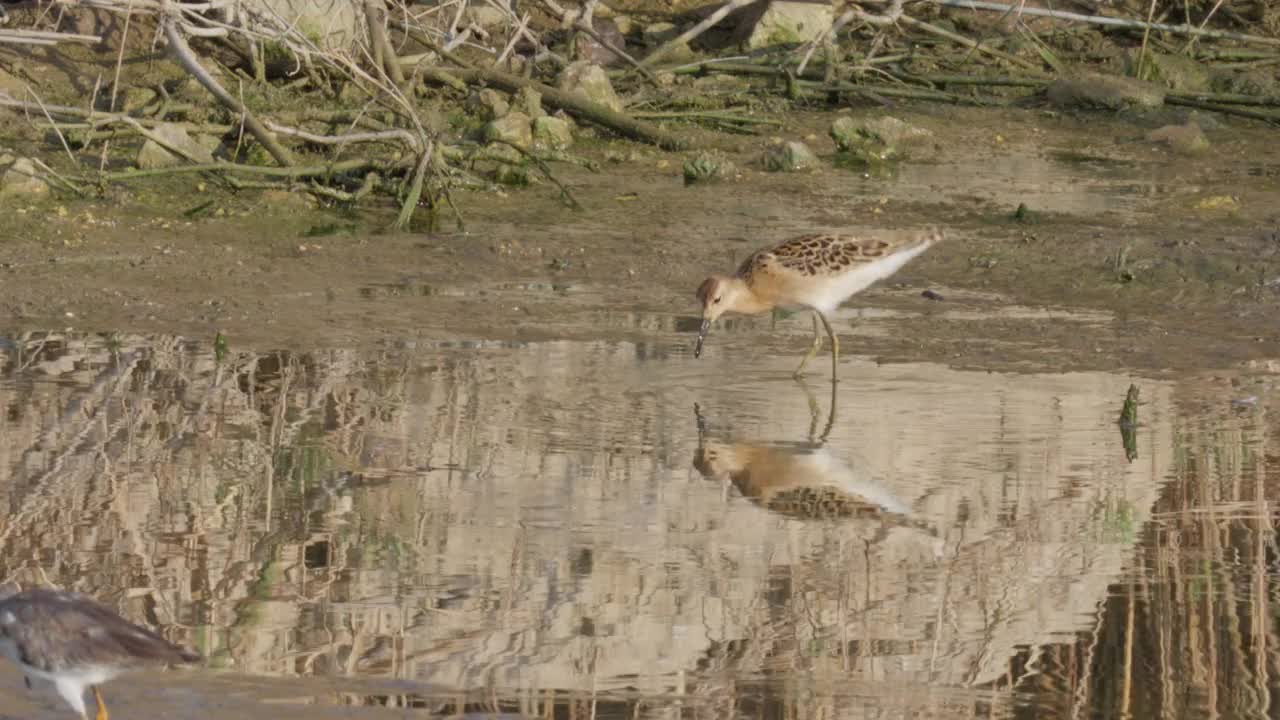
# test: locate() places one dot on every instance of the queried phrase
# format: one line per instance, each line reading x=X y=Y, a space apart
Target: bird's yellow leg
x=813 y=349
x=835 y=345
x=102 y=707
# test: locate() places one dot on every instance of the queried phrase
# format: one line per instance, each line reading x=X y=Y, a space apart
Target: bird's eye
x=716 y=301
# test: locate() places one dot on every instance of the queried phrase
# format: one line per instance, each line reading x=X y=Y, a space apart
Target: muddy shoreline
x=1118 y=228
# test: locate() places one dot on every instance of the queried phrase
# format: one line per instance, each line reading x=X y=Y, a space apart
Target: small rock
x=22 y=178
x=707 y=167
x=529 y=101
x=1095 y=90
x=591 y=50
x=1177 y=73
x=624 y=23
x=1186 y=139
x=876 y=138
x=484 y=16
x=489 y=104
x=551 y=133
x=787 y=23
x=136 y=98
x=1257 y=82
x=512 y=127
x=517 y=175
x=153 y=155
x=212 y=143
x=1207 y=121
x=504 y=153
x=657 y=34
x=590 y=82
x=1218 y=203
x=789 y=157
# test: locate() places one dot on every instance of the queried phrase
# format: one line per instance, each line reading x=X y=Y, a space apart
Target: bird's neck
x=747 y=302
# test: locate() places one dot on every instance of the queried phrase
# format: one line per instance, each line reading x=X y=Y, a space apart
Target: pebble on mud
x=154 y=155
x=21 y=178
x=514 y=128
x=1096 y=90
x=551 y=133
x=875 y=138
x=591 y=82
x=489 y=104
x=790 y=156
x=786 y=23
x=1186 y=139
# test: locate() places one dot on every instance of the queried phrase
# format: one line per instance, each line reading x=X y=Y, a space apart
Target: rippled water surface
x=611 y=530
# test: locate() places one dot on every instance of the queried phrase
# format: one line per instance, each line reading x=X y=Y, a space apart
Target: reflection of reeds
x=521 y=526
x=1191 y=633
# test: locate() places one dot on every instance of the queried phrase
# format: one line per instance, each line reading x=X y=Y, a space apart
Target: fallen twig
x=620 y=123
x=187 y=59
x=293 y=171
x=582 y=24
x=1110 y=21
x=415 y=190
x=44 y=37
x=404 y=136
x=713 y=115
x=1227 y=99
x=1273 y=118
x=693 y=32
x=962 y=40
x=542 y=165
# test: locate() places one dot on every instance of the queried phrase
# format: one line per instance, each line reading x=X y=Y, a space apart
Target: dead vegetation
x=355 y=100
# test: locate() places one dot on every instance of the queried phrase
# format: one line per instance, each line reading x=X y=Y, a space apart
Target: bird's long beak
x=702 y=335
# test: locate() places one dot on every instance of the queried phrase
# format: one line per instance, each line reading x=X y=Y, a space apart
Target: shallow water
x=611 y=529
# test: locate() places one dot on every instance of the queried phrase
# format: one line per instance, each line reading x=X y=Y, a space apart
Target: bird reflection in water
x=801 y=480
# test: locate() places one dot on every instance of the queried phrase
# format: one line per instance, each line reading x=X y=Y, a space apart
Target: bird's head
x=718 y=295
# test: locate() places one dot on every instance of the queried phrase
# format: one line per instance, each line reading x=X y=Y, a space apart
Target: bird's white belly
x=80 y=676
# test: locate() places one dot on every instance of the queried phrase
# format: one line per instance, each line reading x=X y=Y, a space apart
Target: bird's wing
x=824 y=253
x=52 y=630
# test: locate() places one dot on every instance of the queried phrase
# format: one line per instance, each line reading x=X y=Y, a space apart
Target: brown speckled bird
x=817 y=272
x=76 y=643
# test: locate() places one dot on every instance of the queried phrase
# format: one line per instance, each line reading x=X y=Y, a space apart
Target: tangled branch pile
x=355 y=99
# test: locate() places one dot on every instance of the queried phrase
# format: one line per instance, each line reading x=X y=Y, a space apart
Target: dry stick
x=962 y=40
x=49 y=117
x=1146 y=33
x=115 y=85
x=375 y=13
x=1228 y=98
x=187 y=60
x=515 y=38
x=1190 y=43
x=294 y=171
x=44 y=37
x=967 y=80
x=583 y=24
x=889 y=17
x=620 y=123
x=693 y=32
x=1273 y=118
x=415 y=190
x=546 y=170
x=402 y=135
x=1112 y=22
